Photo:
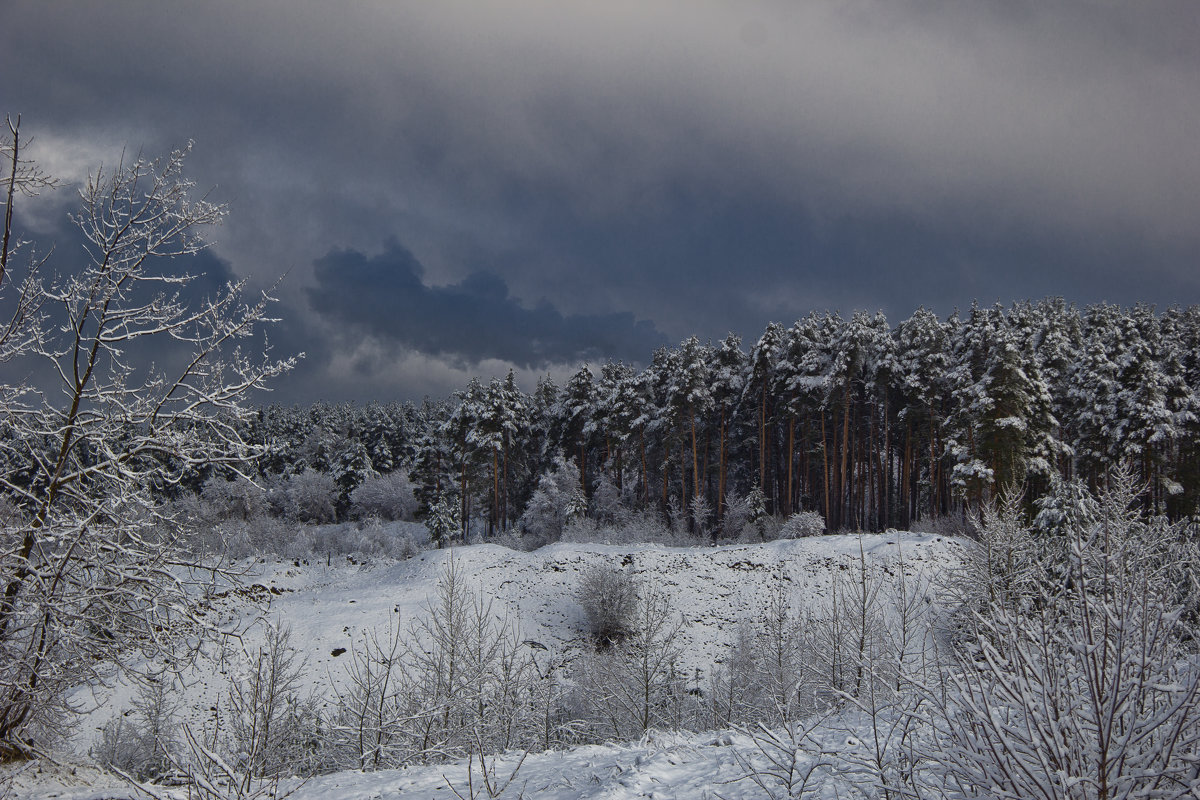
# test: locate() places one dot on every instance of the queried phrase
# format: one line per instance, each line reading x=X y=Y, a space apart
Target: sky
x=454 y=189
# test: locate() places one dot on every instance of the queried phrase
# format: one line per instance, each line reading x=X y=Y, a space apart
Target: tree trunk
x=504 y=487
x=495 y=510
x=645 y=472
x=721 y=472
x=583 y=468
x=463 y=503
x=695 y=457
x=842 y=487
x=906 y=477
x=762 y=441
x=683 y=499
x=887 y=470
x=825 y=471
x=933 y=476
x=791 y=448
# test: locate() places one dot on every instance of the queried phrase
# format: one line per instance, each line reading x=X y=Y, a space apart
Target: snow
x=329 y=607
x=660 y=766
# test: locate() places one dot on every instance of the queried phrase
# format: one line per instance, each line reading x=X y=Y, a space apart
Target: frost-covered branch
x=89 y=569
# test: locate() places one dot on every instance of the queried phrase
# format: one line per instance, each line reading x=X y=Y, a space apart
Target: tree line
x=869 y=424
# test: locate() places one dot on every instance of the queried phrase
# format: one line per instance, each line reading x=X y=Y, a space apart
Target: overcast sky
x=456 y=188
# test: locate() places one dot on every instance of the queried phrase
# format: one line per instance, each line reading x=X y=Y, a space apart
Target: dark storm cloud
x=472 y=320
x=65 y=251
x=700 y=165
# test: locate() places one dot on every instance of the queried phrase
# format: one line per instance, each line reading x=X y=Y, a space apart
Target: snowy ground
x=328 y=608
x=661 y=766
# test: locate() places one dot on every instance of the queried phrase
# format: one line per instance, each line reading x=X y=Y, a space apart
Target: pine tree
x=575 y=411
x=922 y=372
x=729 y=379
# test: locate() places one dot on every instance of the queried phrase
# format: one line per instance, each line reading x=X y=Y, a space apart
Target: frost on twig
x=90 y=571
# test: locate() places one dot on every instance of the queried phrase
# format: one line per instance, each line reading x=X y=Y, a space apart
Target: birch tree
x=91 y=437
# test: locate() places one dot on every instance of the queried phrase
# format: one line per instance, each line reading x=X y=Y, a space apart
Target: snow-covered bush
x=516 y=539
x=700 y=512
x=557 y=500
x=801 y=524
x=386 y=497
x=636 y=684
x=308 y=496
x=142 y=741
x=608 y=595
x=746 y=518
x=240 y=539
x=460 y=681
x=370 y=539
x=605 y=504
x=735 y=514
x=645 y=527
x=238 y=498
x=765 y=678
x=764 y=529
x=273 y=731
x=950 y=525
x=845 y=634
x=1082 y=680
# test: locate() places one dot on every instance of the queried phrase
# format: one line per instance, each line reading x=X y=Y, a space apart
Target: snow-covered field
x=329 y=607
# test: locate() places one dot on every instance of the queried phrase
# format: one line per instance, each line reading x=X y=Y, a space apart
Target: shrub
x=387 y=497
x=605 y=504
x=1079 y=676
x=141 y=741
x=232 y=499
x=801 y=524
x=308 y=496
x=557 y=500
x=399 y=540
x=609 y=598
x=735 y=515
x=636 y=684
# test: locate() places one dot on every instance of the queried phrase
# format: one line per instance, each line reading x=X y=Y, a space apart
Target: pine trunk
x=825 y=472
x=762 y=441
x=787 y=506
x=843 y=501
x=721 y=473
x=695 y=457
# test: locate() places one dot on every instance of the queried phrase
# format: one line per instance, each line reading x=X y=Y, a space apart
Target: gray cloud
x=472 y=320
x=700 y=165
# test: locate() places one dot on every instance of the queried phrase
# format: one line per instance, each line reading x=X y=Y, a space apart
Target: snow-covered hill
x=329 y=607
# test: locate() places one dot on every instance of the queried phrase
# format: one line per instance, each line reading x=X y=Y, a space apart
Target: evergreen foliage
x=867 y=424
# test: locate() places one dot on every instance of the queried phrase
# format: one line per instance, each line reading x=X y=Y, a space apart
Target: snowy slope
x=329 y=607
x=712 y=588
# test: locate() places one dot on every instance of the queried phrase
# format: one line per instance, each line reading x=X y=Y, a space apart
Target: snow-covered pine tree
x=575 y=412
x=921 y=374
x=757 y=391
x=728 y=379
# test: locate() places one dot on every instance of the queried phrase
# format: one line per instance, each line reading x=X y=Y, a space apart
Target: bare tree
x=371 y=718
x=787 y=762
x=141 y=741
x=269 y=723
x=90 y=437
x=637 y=685
x=24 y=178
